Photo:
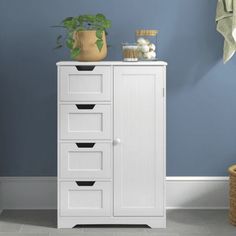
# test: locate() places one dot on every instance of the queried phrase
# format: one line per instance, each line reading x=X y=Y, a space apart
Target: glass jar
x=147 y=43
x=130 y=52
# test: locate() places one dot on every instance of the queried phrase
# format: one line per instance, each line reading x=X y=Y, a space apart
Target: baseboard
x=182 y=192
x=28 y=192
x=197 y=192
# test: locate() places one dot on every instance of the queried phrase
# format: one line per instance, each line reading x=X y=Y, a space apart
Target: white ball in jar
x=140 y=54
x=144 y=48
x=142 y=41
x=149 y=55
x=153 y=54
x=152 y=47
x=147 y=41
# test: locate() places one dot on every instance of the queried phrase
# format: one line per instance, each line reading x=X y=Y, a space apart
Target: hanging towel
x=226 y=25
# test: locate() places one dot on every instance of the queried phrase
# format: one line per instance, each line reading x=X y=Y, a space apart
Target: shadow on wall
x=198 y=49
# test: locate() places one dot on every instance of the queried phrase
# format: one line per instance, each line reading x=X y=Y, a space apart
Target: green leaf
x=70 y=34
x=70 y=24
x=80 y=28
x=99 y=43
x=67 y=24
x=89 y=18
x=80 y=19
x=67 y=19
x=58 y=46
x=75 y=52
x=70 y=43
x=107 y=24
x=99 y=34
x=100 y=17
x=59 y=39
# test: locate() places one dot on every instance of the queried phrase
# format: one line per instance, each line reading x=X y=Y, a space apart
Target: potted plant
x=85 y=37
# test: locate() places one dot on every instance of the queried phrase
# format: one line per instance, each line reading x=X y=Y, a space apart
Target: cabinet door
x=139 y=128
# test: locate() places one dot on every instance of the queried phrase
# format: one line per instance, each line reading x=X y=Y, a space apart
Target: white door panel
x=138 y=157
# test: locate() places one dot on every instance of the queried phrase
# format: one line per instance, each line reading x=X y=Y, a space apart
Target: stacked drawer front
x=85 y=146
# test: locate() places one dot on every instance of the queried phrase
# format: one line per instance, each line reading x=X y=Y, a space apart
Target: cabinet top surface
x=112 y=63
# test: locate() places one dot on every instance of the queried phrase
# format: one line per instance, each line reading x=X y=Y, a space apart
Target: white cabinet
x=111 y=143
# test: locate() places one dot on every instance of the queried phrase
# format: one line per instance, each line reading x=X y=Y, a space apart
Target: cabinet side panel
x=58 y=151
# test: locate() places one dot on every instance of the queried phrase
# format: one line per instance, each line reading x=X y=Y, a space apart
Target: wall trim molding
x=197 y=178
x=27 y=178
x=168 y=178
x=183 y=192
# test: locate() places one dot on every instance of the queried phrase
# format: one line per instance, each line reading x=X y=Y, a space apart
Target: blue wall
x=201 y=122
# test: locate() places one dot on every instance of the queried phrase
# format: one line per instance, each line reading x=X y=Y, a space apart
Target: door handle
x=85 y=183
x=116 y=141
x=85 y=68
x=85 y=145
x=85 y=106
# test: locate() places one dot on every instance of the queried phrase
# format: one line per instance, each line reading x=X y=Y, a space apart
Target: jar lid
x=129 y=45
x=143 y=32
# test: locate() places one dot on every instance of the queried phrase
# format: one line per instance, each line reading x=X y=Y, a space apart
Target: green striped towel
x=226 y=25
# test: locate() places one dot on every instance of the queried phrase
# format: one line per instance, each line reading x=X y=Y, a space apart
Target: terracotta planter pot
x=86 y=41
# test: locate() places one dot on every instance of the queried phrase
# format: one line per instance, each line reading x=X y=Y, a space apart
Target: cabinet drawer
x=85 y=83
x=85 y=121
x=85 y=198
x=85 y=160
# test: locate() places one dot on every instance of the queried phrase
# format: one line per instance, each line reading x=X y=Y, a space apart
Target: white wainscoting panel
x=182 y=192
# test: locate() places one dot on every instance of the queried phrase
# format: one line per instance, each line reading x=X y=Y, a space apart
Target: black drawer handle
x=85 y=68
x=85 y=183
x=85 y=106
x=85 y=145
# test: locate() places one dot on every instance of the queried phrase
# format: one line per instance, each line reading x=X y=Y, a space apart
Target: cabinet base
x=70 y=222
